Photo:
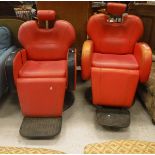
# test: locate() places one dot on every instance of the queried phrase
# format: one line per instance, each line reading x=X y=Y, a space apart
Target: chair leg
x=69 y=100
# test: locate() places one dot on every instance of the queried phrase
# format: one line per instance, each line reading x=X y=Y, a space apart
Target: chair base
x=113 y=117
x=69 y=100
x=40 y=128
x=88 y=96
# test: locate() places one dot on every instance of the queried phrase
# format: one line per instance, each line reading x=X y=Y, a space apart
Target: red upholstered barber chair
x=115 y=62
x=43 y=71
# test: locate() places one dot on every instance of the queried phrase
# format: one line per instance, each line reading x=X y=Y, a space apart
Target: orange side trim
x=86 y=58
x=143 y=54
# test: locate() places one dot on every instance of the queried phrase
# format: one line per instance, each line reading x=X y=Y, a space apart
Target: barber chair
x=43 y=71
x=115 y=62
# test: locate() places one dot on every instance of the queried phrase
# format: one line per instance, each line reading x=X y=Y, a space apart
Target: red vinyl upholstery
x=44 y=69
x=114 y=87
x=113 y=59
x=116 y=8
x=110 y=38
x=40 y=69
x=46 y=40
x=127 y=61
x=46 y=15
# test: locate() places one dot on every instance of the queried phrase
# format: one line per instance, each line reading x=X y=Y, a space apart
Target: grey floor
x=79 y=126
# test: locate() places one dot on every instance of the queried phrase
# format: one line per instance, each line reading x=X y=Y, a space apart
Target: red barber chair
x=43 y=71
x=115 y=62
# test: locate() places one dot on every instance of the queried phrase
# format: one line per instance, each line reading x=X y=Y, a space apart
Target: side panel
x=114 y=87
x=42 y=97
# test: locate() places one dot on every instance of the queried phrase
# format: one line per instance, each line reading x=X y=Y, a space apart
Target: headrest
x=116 y=9
x=5 y=38
x=46 y=15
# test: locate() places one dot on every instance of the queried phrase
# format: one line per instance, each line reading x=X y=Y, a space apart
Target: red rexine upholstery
x=46 y=15
x=114 y=87
x=41 y=69
x=113 y=59
x=127 y=61
x=116 y=8
x=18 y=63
x=56 y=40
x=46 y=69
x=41 y=97
x=114 y=38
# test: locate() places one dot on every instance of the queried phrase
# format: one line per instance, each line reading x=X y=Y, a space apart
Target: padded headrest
x=46 y=15
x=5 y=38
x=116 y=9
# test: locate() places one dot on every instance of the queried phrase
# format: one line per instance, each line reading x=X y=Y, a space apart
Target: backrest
x=46 y=43
x=114 y=37
x=5 y=38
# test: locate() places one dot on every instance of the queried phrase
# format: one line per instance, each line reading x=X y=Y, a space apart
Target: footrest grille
x=113 y=117
x=40 y=128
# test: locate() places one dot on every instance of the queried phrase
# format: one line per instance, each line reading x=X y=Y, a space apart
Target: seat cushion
x=44 y=69
x=127 y=61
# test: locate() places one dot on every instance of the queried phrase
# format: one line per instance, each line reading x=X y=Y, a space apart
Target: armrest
x=143 y=54
x=14 y=63
x=72 y=72
x=86 y=58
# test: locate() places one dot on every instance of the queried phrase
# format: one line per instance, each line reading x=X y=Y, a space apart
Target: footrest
x=40 y=128
x=113 y=117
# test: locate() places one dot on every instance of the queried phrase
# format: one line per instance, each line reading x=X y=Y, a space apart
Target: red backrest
x=114 y=38
x=46 y=44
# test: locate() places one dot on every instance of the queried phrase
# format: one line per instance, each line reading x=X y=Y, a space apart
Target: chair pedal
x=113 y=117
x=40 y=128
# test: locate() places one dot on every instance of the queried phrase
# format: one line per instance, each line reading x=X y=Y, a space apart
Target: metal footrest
x=113 y=117
x=40 y=128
